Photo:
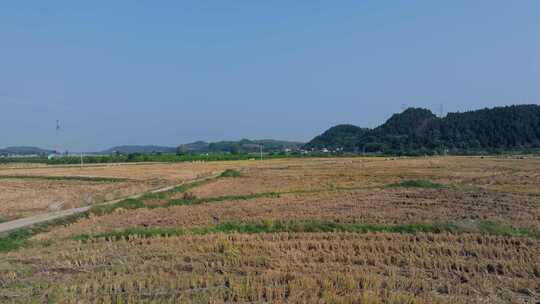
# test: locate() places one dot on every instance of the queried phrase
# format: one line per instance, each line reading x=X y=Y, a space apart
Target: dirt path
x=45 y=217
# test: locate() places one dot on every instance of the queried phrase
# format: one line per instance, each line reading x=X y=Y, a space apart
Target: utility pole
x=57 y=148
x=82 y=162
x=261 y=147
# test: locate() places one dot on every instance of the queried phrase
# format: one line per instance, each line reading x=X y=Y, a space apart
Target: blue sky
x=169 y=72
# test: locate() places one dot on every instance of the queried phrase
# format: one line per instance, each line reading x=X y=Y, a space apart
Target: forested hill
x=239 y=146
x=418 y=130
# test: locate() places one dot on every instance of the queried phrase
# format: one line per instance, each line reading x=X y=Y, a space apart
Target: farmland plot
x=332 y=230
x=29 y=191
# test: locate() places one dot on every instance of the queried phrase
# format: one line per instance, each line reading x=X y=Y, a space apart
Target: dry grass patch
x=169 y=171
x=213 y=244
x=336 y=268
x=25 y=197
x=391 y=206
x=30 y=191
x=490 y=174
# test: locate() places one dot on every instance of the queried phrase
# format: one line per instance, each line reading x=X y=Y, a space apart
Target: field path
x=45 y=217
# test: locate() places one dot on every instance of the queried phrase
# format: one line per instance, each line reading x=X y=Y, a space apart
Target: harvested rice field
x=327 y=230
x=26 y=191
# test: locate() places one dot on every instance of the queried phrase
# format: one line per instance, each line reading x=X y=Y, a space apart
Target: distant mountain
x=130 y=149
x=23 y=150
x=418 y=129
x=241 y=146
x=247 y=146
x=198 y=146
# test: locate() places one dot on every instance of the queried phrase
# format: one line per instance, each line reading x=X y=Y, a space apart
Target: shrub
x=230 y=173
x=418 y=183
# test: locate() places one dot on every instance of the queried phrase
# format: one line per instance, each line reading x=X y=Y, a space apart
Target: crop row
x=293 y=267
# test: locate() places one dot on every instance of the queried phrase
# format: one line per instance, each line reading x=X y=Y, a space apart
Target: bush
x=230 y=173
x=418 y=183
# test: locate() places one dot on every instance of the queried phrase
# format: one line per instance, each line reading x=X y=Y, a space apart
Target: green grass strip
x=179 y=189
x=230 y=173
x=129 y=203
x=245 y=197
x=20 y=237
x=68 y=178
x=196 y=201
x=505 y=230
x=303 y=226
x=14 y=239
x=140 y=202
x=418 y=183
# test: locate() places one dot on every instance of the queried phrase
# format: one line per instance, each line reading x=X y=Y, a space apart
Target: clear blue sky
x=169 y=72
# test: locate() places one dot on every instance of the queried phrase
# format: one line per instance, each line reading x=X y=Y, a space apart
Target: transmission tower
x=57 y=146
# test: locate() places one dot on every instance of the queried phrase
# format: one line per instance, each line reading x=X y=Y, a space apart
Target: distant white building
x=51 y=156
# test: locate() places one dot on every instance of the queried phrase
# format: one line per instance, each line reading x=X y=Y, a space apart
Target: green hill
x=415 y=129
x=340 y=136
